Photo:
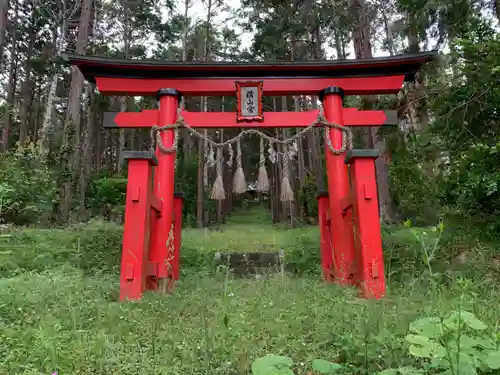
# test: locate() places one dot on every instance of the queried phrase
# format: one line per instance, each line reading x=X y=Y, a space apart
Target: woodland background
x=61 y=174
x=59 y=166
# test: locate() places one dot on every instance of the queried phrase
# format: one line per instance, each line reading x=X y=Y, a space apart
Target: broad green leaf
x=272 y=365
x=439 y=363
x=417 y=340
x=422 y=347
x=467 y=318
x=389 y=372
x=420 y=351
x=410 y=371
x=466 y=368
x=428 y=327
x=473 y=322
x=466 y=343
x=493 y=360
x=485 y=343
x=466 y=363
x=325 y=367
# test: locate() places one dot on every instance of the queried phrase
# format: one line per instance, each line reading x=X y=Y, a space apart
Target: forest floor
x=60 y=313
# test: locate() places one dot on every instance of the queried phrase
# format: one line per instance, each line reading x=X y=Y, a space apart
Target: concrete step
x=250 y=264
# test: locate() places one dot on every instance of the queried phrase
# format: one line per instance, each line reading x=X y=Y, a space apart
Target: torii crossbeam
x=151 y=245
x=149 y=118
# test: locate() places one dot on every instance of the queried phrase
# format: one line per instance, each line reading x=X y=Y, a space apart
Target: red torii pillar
x=139 y=202
x=142 y=213
x=325 y=234
x=351 y=243
x=162 y=252
x=342 y=239
x=367 y=232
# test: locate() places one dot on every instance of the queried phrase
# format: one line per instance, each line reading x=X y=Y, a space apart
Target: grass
x=247 y=230
x=58 y=309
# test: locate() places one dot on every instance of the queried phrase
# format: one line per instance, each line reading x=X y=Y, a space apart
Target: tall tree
x=361 y=36
x=59 y=17
x=4 y=10
x=70 y=151
x=12 y=79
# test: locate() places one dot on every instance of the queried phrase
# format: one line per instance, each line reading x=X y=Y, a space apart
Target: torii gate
x=351 y=245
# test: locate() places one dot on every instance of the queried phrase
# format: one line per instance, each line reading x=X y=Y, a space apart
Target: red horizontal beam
x=272 y=86
x=148 y=118
x=143 y=119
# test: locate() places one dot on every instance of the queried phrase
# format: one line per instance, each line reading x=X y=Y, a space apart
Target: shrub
x=108 y=190
x=473 y=187
x=27 y=189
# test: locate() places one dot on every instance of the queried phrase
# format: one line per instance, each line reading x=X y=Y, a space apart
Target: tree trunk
x=4 y=10
x=35 y=120
x=220 y=203
x=44 y=141
x=69 y=151
x=123 y=102
x=202 y=181
x=12 y=82
x=27 y=87
x=363 y=49
x=26 y=108
x=314 y=137
x=388 y=33
x=87 y=150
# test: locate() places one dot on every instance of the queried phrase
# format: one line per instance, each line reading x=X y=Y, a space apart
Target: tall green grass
x=59 y=309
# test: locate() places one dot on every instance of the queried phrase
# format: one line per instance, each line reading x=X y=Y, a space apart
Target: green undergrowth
x=61 y=320
x=95 y=248
x=59 y=309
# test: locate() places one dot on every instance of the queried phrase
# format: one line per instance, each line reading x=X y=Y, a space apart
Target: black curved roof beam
x=92 y=67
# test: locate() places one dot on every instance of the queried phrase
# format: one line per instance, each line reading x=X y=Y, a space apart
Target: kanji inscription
x=249 y=105
x=249 y=101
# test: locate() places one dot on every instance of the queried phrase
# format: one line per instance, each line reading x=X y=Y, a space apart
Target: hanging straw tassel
x=239 y=182
x=286 y=189
x=218 y=192
x=263 y=180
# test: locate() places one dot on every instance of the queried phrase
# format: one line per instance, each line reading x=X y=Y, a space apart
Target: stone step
x=245 y=264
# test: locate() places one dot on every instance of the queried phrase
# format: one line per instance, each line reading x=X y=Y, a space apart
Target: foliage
x=186 y=182
x=308 y=195
x=95 y=247
x=473 y=185
x=466 y=127
x=108 y=190
x=429 y=253
x=55 y=283
x=27 y=188
x=414 y=191
x=459 y=344
x=280 y=365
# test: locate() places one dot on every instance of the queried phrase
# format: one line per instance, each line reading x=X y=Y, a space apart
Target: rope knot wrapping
x=157 y=130
x=347 y=138
x=239 y=181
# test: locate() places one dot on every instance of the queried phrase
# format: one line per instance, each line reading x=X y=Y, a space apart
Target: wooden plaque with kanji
x=249 y=101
